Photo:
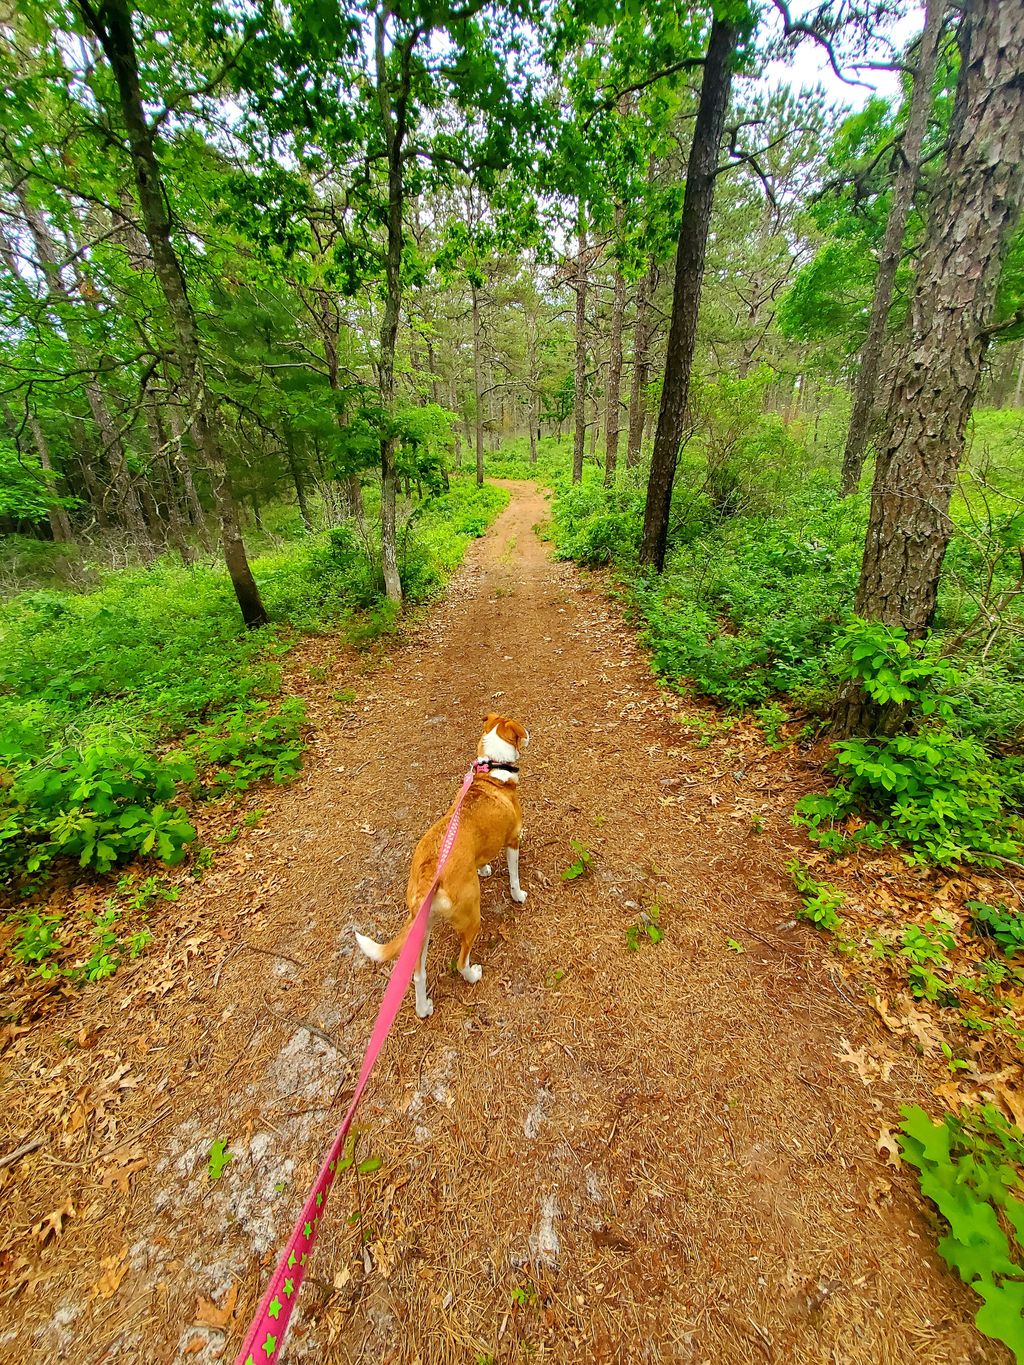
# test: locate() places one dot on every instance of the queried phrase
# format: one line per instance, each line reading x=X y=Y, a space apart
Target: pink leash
x=264 y=1340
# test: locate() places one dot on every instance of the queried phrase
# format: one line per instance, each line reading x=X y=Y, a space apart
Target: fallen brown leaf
x=53 y=1224
x=115 y=1268
x=208 y=1314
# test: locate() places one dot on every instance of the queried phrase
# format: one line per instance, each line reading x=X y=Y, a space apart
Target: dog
x=491 y=820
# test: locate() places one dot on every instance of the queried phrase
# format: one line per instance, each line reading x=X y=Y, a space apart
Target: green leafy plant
x=219 y=1159
x=819 y=901
x=999 y=923
x=969 y=1167
x=251 y=744
x=36 y=942
x=581 y=864
x=937 y=792
x=646 y=927
x=734 y=945
x=923 y=945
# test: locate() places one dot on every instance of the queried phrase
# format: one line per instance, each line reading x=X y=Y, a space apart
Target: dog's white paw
x=472 y=973
x=426 y=1010
x=485 y=871
x=519 y=896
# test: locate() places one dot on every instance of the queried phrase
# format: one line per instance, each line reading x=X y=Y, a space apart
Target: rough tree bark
x=904 y=185
x=698 y=199
x=580 y=397
x=394 y=124
x=111 y=22
x=611 y=409
x=975 y=205
x=478 y=389
x=640 y=377
x=327 y=315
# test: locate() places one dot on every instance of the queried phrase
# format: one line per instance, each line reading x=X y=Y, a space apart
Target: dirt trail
x=593 y=1155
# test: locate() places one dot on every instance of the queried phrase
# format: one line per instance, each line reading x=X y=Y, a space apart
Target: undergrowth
x=119 y=706
x=969 y=1166
x=754 y=611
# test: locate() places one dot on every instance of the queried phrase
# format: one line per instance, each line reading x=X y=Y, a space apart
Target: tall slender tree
x=908 y=169
x=975 y=206
x=701 y=172
x=111 y=24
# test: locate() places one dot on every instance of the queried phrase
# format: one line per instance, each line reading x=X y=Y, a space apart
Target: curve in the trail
x=607 y=1150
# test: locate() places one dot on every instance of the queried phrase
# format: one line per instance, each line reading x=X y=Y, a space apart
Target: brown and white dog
x=491 y=820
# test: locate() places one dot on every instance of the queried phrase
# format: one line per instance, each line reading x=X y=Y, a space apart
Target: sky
x=809 y=66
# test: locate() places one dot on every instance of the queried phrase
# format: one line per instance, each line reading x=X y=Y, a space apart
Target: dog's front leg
x=512 y=857
x=424 y=1006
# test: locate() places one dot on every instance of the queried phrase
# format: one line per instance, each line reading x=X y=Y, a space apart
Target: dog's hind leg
x=424 y=1006
x=469 y=927
x=471 y=971
x=512 y=857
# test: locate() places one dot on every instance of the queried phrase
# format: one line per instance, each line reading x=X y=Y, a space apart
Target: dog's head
x=502 y=739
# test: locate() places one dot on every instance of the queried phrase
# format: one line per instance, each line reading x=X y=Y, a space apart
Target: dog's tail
x=382 y=952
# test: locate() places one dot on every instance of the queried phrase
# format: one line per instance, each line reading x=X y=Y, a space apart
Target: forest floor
x=596 y=1154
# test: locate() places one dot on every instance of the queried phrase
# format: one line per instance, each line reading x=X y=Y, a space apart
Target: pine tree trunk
x=580 y=398
x=614 y=386
x=909 y=168
x=478 y=387
x=698 y=200
x=642 y=332
x=975 y=206
x=112 y=25
x=60 y=522
x=297 y=480
x=175 y=529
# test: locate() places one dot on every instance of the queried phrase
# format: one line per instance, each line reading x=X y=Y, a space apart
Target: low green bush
x=969 y=1166
x=754 y=610
x=95 y=688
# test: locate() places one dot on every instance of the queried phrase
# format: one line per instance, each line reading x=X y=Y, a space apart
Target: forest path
x=595 y=1154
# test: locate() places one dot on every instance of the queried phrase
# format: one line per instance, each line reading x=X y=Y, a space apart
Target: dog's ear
x=513 y=733
x=490 y=721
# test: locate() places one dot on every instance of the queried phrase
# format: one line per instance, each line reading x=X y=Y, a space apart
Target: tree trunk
x=129 y=508
x=60 y=522
x=640 y=377
x=579 y=439
x=478 y=387
x=534 y=419
x=1018 y=396
x=112 y=25
x=975 y=206
x=693 y=236
x=909 y=168
x=393 y=120
x=614 y=385
x=297 y=480
x=175 y=529
x=353 y=492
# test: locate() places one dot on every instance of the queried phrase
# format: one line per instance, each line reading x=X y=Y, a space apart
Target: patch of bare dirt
x=595 y=1154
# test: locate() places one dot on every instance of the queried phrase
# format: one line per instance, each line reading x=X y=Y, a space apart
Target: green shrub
x=969 y=1167
x=250 y=744
x=940 y=793
x=99 y=803
x=820 y=902
x=998 y=923
x=94 y=688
